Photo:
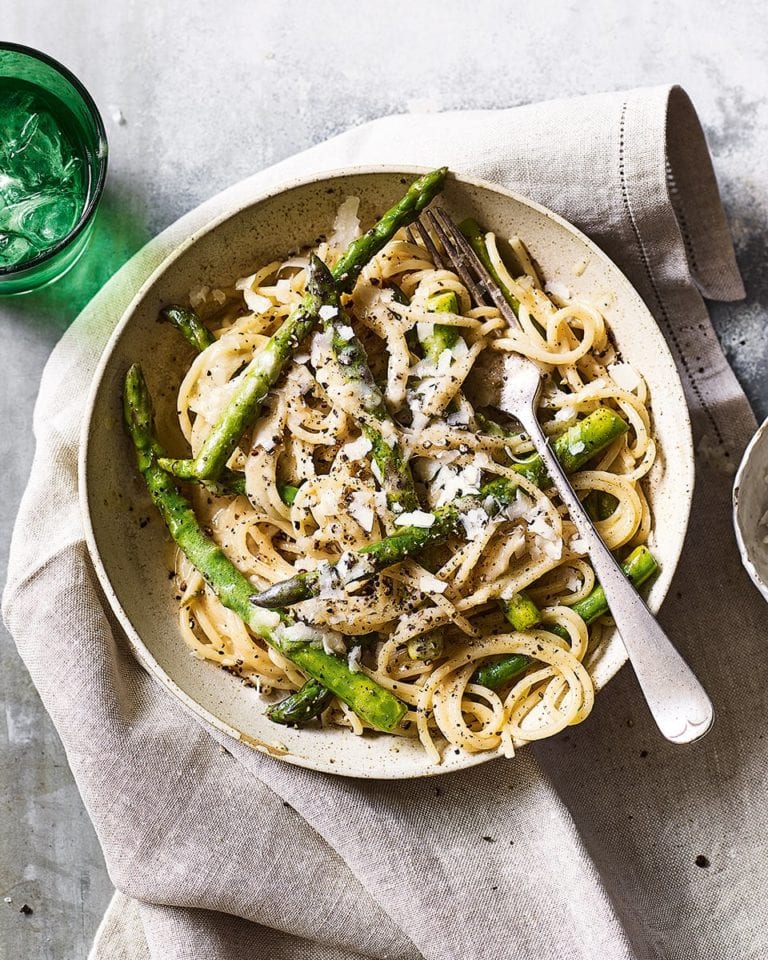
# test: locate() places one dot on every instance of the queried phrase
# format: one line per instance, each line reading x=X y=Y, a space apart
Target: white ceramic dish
x=750 y=503
x=132 y=560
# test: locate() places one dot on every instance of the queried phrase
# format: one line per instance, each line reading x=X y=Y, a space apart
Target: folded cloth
x=605 y=842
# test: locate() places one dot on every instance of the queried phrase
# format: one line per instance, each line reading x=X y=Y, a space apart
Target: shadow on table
x=119 y=231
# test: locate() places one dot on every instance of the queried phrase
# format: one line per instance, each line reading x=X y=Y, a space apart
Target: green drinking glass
x=53 y=162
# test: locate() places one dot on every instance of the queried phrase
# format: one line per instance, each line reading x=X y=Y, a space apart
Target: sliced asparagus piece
x=574 y=448
x=287 y=493
x=375 y=422
x=265 y=368
x=442 y=337
x=369 y=701
x=189 y=325
x=303 y=705
x=639 y=566
x=521 y=611
x=428 y=646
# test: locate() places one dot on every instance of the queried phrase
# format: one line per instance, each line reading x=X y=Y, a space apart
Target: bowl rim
x=140 y=649
x=17 y=271
x=738 y=481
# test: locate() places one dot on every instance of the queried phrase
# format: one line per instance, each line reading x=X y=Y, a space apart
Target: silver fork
x=677 y=701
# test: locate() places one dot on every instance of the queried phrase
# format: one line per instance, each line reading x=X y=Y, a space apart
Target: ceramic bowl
x=132 y=556
x=750 y=505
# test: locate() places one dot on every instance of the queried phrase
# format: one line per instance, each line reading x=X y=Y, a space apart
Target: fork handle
x=678 y=703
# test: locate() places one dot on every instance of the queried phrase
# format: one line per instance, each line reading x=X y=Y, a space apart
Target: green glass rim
x=98 y=187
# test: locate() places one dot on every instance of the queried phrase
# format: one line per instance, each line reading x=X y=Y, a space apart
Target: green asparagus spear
x=371 y=702
x=497 y=671
x=577 y=445
x=639 y=566
x=392 y=468
x=189 y=325
x=303 y=705
x=442 y=337
x=420 y=193
x=265 y=368
x=574 y=448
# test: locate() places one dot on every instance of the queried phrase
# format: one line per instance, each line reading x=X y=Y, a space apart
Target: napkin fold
x=582 y=847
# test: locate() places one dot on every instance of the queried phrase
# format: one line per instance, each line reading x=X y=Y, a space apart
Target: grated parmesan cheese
x=357 y=449
x=350 y=567
x=361 y=511
x=565 y=414
x=327 y=312
x=353 y=659
x=424 y=331
x=444 y=361
x=578 y=544
x=198 y=295
x=346 y=225
x=254 y=301
x=459 y=418
x=320 y=348
x=625 y=375
x=450 y=483
x=557 y=289
x=298 y=633
x=426 y=468
x=474 y=522
x=265 y=434
x=521 y=509
x=344 y=330
x=429 y=584
x=541 y=527
x=417 y=518
x=550 y=548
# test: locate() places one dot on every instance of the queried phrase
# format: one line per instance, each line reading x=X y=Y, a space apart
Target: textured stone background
x=197 y=95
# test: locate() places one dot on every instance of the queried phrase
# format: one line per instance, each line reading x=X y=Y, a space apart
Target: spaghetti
x=422 y=627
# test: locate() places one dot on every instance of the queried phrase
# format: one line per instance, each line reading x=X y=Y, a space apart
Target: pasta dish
x=387 y=520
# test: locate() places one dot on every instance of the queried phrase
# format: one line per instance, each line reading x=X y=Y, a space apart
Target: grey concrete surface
x=212 y=91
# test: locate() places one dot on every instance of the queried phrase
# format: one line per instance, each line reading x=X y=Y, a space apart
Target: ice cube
x=42 y=179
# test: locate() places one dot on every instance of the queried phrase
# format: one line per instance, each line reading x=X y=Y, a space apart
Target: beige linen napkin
x=584 y=847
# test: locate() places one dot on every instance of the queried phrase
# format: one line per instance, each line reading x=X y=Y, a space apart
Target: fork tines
x=428 y=243
x=473 y=272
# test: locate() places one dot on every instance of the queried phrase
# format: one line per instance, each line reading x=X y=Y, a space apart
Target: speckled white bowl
x=750 y=503
x=132 y=557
